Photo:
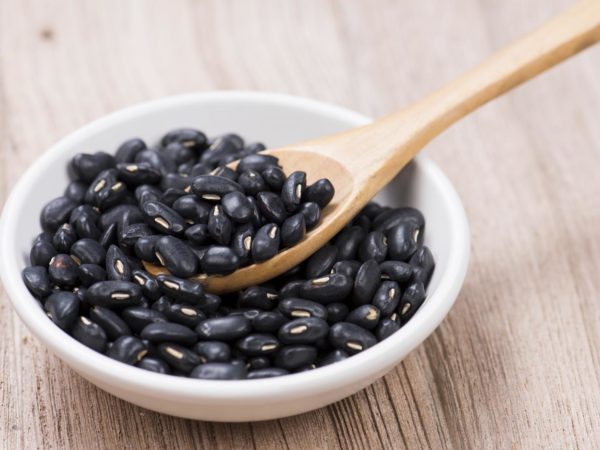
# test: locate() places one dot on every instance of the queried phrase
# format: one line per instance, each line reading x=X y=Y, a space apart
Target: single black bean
x=351 y=337
x=252 y=182
x=327 y=289
x=214 y=188
x=412 y=299
x=258 y=362
x=108 y=236
x=235 y=139
x=87 y=166
x=138 y=317
x=226 y=172
x=398 y=271
x=296 y=308
x=257 y=162
x=219 y=371
x=130 y=234
x=170 y=196
x=219 y=260
x=210 y=303
x=37 y=281
x=274 y=177
x=129 y=149
x=266 y=242
x=144 y=248
x=150 y=287
x=311 y=213
x=294 y=357
x=337 y=312
x=371 y=210
x=306 y=330
x=118 y=213
x=423 y=265
x=154 y=365
x=90 y=274
x=63 y=271
x=366 y=282
x=269 y=372
x=179 y=357
x=237 y=206
x=348 y=241
x=291 y=289
x=198 y=234
x=42 y=252
x=85 y=227
x=117 y=265
x=187 y=315
x=334 y=356
x=83 y=210
x=76 y=191
x=374 y=246
x=271 y=206
x=293 y=190
x=241 y=241
x=176 y=256
x=363 y=222
x=220 y=226
x=254 y=147
x=110 y=322
x=403 y=241
x=147 y=193
x=182 y=290
x=257 y=218
x=261 y=297
x=179 y=153
x=88 y=251
x=268 y=321
x=128 y=350
x=89 y=334
x=218 y=149
x=386 y=328
x=200 y=169
x=158 y=332
x=64 y=238
x=293 y=230
x=62 y=308
x=190 y=207
x=321 y=262
x=114 y=294
x=347 y=267
x=388 y=219
x=258 y=344
x=366 y=316
x=189 y=137
x=213 y=351
x=163 y=218
x=106 y=190
x=56 y=212
x=321 y=192
x=224 y=328
x=136 y=174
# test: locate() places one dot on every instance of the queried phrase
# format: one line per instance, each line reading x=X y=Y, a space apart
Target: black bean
x=190 y=207
x=163 y=218
x=138 y=317
x=423 y=265
x=182 y=290
x=176 y=256
x=76 y=191
x=179 y=357
x=291 y=289
x=258 y=363
x=218 y=149
x=321 y=192
x=114 y=294
x=266 y=242
x=144 y=248
x=110 y=322
x=257 y=218
x=387 y=297
x=87 y=167
x=258 y=344
x=269 y=372
x=257 y=162
x=293 y=230
x=235 y=139
x=189 y=137
x=327 y=289
x=271 y=206
x=348 y=241
x=63 y=271
x=388 y=219
x=56 y=212
x=42 y=251
x=398 y=271
x=219 y=260
x=213 y=351
x=64 y=238
x=252 y=182
x=334 y=356
x=154 y=365
x=372 y=210
x=200 y=169
x=295 y=356
x=224 y=328
x=366 y=282
x=85 y=227
x=83 y=210
x=117 y=213
x=306 y=330
x=150 y=287
x=254 y=147
x=268 y=321
x=241 y=241
x=292 y=190
x=274 y=177
x=296 y=308
x=136 y=174
x=362 y=222
x=37 y=281
x=214 y=188
x=198 y=234
x=412 y=298
x=261 y=297
x=106 y=190
x=337 y=312
x=321 y=262
x=130 y=234
x=129 y=149
x=219 y=371
x=311 y=213
x=147 y=193
x=187 y=315
x=88 y=251
x=128 y=350
x=162 y=305
x=403 y=241
x=374 y=246
x=366 y=316
x=179 y=153
x=237 y=206
x=220 y=226
x=350 y=337
x=347 y=267
x=90 y=274
x=62 y=308
x=117 y=265
x=158 y=332
x=226 y=172
x=386 y=328
x=89 y=334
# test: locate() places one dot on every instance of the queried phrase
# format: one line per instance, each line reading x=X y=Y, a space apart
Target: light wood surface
x=515 y=364
x=361 y=161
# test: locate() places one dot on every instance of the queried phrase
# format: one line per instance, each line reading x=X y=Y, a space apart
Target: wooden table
x=515 y=364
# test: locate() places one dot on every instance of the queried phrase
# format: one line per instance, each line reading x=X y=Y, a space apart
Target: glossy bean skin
x=213 y=188
x=398 y=271
x=147 y=193
x=237 y=206
x=257 y=162
x=386 y=328
x=128 y=350
x=307 y=330
x=266 y=243
x=62 y=308
x=144 y=248
x=176 y=256
x=88 y=251
x=37 y=281
x=392 y=217
x=269 y=372
x=178 y=357
x=293 y=230
x=117 y=265
x=337 y=312
x=90 y=274
x=320 y=192
x=374 y=246
x=387 y=297
x=365 y=316
x=150 y=287
x=219 y=371
x=348 y=241
x=321 y=262
x=198 y=234
x=311 y=213
x=268 y=321
x=64 y=238
x=63 y=271
x=87 y=166
x=188 y=137
x=163 y=219
x=350 y=337
x=106 y=190
x=224 y=328
x=113 y=294
x=138 y=317
x=220 y=226
x=41 y=253
x=292 y=190
x=258 y=344
x=252 y=182
x=271 y=207
x=158 y=332
x=190 y=207
x=184 y=314
x=296 y=308
x=219 y=260
x=241 y=242
x=258 y=297
x=293 y=357
x=136 y=174
x=213 y=351
x=76 y=191
x=56 y=212
x=403 y=241
x=291 y=289
x=334 y=356
x=117 y=213
x=422 y=263
x=366 y=282
x=89 y=334
x=412 y=298
x=182 y=290
x=327 y=289
x=111 y=323
x=130 y=234
x=129 y=149
x=346 y=267
x=153 y=365
x=274 y=177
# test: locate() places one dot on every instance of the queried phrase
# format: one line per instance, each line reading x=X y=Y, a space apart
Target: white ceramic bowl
x=276 y=120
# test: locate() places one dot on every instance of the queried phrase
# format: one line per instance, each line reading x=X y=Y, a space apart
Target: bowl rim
x=351 y=370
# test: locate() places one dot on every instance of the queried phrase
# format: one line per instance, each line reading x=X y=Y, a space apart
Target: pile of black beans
x=175 y=205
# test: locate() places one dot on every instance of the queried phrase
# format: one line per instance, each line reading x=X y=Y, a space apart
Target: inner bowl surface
x=276 y=120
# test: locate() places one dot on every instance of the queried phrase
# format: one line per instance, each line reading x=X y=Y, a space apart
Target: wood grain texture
x=515 y=364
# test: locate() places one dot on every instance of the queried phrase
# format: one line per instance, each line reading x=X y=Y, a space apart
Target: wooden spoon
x=361 y=161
